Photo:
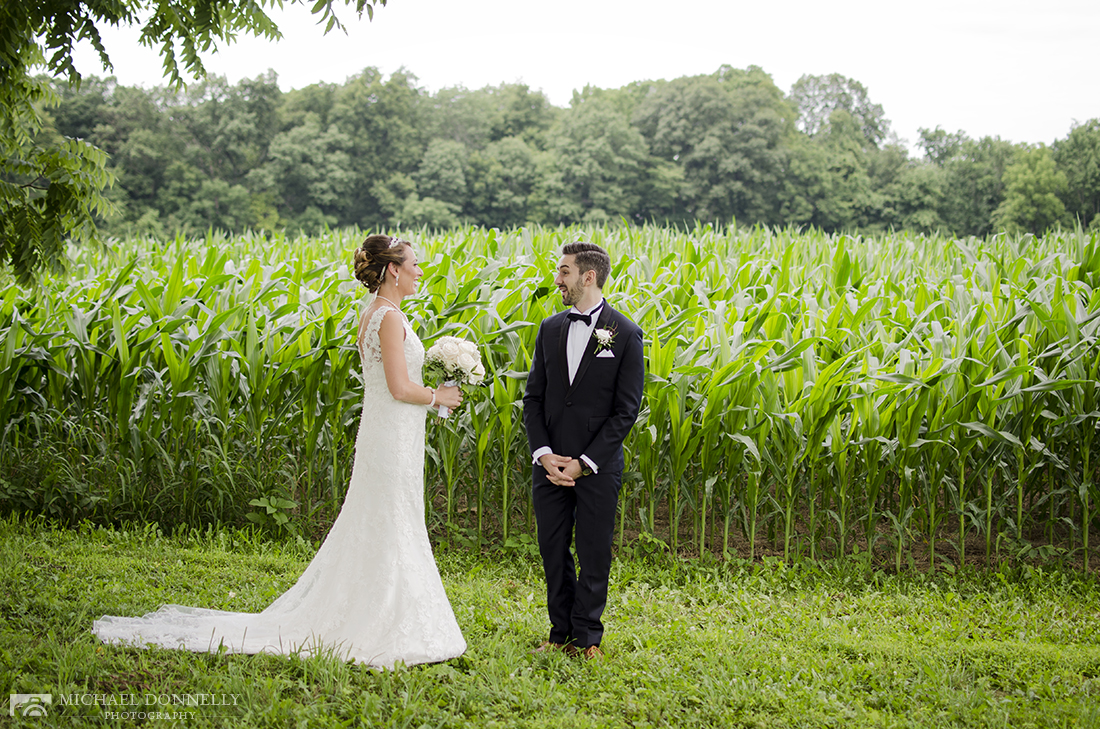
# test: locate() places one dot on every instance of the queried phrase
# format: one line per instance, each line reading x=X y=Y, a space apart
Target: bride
x=372 y=593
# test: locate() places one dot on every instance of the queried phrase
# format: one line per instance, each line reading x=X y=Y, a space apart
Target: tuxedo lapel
x=563 y=358
x=590 y=345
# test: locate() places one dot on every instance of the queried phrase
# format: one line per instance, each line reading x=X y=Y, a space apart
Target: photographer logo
x=29 y=704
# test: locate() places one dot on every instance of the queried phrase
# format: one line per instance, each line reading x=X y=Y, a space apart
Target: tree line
x=380 y=151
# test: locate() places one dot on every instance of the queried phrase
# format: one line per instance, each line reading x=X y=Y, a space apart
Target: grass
x=699 y=643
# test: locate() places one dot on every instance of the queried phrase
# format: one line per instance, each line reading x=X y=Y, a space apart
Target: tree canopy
x=378 y=151
x=83 y=157
x=52 y=186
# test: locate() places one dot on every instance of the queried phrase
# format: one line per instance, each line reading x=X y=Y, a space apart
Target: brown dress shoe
x=549 y=647
x=592 y=652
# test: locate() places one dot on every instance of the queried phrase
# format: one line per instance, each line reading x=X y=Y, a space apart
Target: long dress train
x=372 y=593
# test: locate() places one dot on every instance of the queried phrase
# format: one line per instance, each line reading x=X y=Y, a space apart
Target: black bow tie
x=586 y=318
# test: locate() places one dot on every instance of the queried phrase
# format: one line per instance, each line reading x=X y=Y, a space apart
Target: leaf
x=791 y=359
x=1007 y=374
x=748 y=443
x=1000 y=436
x=1047 y=386
x=899 y=379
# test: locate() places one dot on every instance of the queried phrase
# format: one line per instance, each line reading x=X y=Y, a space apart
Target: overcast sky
x=1024 y=71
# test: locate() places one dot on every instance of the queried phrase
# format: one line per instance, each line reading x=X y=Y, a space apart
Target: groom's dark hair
x=589 y=257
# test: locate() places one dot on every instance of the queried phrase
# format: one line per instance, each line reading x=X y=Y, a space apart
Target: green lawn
x=689 y=643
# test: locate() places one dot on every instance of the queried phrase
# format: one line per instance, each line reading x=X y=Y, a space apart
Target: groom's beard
x=571 y=295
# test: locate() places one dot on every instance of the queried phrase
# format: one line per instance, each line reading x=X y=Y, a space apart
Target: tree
x=728 y=133
x=520 y=112
x=827 y=182
x=310 y=102
x=51 y=187
x=462 y=116
x=308 y=172
x=1032 y=189
x=1078 y=158
x=817 y=97
x=914 y=197
x=479 y=118
x=385 y=121
x=146 y=143
x=972 y=183
x=601 y=165
x=501 y=178
x=230 y=127
x=442 y=173
x=939 y=145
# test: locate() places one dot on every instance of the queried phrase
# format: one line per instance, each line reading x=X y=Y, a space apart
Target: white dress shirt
x=575 y=342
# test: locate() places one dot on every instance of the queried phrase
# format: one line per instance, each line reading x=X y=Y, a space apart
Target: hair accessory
x=394 y=241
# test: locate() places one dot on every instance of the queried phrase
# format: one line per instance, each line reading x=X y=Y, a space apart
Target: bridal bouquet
x=456 y=361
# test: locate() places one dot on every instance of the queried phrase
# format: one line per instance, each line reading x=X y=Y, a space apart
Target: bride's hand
x=448 y=397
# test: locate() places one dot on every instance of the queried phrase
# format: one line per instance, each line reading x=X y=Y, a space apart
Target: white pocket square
x=605 y=353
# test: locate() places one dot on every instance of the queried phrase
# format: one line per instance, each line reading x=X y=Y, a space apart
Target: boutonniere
x=605 y=338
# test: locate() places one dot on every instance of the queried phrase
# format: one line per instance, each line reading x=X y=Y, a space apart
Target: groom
x=582 y=397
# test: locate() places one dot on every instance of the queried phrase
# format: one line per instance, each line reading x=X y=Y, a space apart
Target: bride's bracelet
x=432 y=403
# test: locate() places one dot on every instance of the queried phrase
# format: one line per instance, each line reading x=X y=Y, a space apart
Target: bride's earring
x=397 y=279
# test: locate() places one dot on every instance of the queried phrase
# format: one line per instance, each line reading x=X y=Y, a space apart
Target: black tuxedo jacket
x=592 y=416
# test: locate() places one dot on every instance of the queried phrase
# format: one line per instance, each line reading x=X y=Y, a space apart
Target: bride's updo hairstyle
x=375 y=255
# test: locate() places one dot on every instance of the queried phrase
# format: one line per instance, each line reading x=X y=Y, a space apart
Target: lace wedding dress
x=372 y=593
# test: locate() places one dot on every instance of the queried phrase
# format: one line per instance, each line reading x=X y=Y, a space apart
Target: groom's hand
x=556 y=467
x=574 y=469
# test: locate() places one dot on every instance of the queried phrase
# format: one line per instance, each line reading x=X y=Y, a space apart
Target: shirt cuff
x=586 y=459
x=541 y=452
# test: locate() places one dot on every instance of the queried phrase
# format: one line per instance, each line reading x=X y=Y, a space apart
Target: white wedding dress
x=372 y=593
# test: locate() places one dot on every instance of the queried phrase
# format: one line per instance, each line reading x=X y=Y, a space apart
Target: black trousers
x=576 y=603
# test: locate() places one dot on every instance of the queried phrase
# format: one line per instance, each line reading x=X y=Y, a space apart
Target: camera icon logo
x=29 y=704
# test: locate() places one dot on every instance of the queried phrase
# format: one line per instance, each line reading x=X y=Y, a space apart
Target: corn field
x=807 y=395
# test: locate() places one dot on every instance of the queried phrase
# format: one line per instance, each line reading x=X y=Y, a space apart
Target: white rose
x=467 y=362
x=478 y=374
x=467 y=346
x=449 y=350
